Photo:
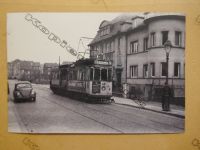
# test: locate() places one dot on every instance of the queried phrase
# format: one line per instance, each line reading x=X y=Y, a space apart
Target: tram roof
x=65 y=66
x=86 y=62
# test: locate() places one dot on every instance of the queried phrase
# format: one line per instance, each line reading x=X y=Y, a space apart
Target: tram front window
x=109 y=75
x=91 y=73
x=97 y=74
x=101 y=74
x=104 y=75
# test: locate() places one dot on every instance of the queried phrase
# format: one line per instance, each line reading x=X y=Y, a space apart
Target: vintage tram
x=86 y=79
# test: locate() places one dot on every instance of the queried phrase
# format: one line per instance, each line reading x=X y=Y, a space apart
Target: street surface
x=57 y=114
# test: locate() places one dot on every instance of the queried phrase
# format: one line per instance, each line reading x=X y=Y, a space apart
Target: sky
x=26 y=42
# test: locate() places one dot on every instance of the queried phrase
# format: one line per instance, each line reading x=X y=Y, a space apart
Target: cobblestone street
x=56 y=114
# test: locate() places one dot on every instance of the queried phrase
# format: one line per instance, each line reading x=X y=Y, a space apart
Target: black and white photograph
x=96 y=73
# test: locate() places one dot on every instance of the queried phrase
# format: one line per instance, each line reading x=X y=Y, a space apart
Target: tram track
x=60 y=105
x=151 y=123
x=102 y=112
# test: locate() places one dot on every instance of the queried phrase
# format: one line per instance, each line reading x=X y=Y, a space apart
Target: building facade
x=35 y=72
x=10 y=70
x=25 y=70
x=30 y=71
x=135 y=45
x=14 y=69
x=47 y=70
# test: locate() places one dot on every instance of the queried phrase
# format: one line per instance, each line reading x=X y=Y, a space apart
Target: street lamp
x=166 y=90
x=167 y=47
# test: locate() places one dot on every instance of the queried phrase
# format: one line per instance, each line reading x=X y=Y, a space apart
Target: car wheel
x=34 y=99
x=15 y=100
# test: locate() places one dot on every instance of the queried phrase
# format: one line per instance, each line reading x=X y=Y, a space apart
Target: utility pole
x=59 y=61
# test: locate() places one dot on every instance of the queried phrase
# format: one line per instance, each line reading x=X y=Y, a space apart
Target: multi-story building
x=110 y=44
x=47 y=70
x=25 y=70
x=15 y=72
x=10 y=70
x=135 y=45
x=30 y=71
x=35 y=72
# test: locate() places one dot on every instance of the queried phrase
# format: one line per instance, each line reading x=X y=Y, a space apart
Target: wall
x=157 y=55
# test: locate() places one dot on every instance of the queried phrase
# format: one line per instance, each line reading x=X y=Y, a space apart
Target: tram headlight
x=103 y=88
x=18 y=94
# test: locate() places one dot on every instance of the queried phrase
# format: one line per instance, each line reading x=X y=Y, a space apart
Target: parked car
x=24 y=91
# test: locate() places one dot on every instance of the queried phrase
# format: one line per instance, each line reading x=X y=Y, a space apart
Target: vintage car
x=24 y=91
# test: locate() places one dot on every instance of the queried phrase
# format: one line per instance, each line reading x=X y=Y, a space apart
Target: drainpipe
x=125 y=85
x=126 y=56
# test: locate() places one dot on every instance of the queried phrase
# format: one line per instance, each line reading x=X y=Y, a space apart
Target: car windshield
x=23 y=85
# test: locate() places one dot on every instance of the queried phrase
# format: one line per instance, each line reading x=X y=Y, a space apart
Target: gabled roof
x=115 y=25
x=103 y=24
x=127 y=18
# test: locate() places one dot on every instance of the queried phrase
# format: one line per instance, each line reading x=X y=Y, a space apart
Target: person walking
x=166 y=95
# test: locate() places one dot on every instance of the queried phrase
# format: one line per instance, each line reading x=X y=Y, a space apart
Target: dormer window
x=134 y=23
x=137 y=21
x=104 y=30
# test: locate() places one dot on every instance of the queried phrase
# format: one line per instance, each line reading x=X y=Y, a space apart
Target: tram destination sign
x=102 y=62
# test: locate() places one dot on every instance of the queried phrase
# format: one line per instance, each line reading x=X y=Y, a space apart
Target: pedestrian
x=166 y=98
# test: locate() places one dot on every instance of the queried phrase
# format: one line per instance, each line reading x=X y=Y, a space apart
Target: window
x=108 y=46
x=112 y=46
x=63 y=74
x=176 y=69
x=133 y=71
x=134 y=47
x=74 y=77
x=97 y=74
x=104 y=74
x=164 y=37
x=81 y=75
x=119 y=41
x=23 y=85
x=145 y=43
x=135 y=22
x=101 y=48
x=109 y=74
x=152 y=69
x=145 y=70
x=104 y=31
x=153 y=39
x=104 y=47
x=178 y=38
x=91 y=73
x=164 y=69
x=70 y=76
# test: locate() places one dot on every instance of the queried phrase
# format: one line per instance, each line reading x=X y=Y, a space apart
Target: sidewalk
x=177 y=111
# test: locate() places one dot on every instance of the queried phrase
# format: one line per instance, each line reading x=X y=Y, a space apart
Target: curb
x=162 y=112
